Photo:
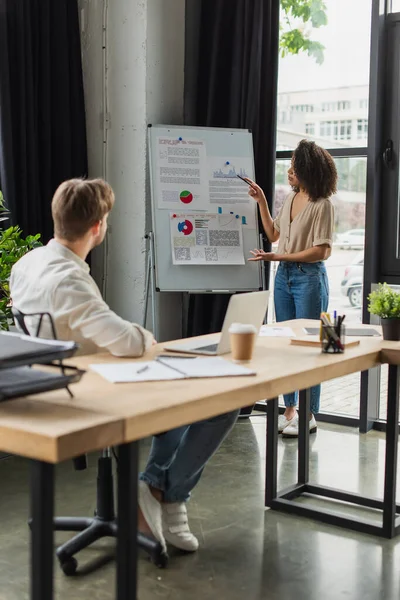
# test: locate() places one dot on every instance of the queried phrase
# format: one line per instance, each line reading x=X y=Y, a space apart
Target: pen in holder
x=332 y=337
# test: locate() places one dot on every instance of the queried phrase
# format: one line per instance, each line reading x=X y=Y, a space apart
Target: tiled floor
x=343 y=395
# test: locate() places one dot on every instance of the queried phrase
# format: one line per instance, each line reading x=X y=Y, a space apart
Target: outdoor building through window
x=323 y=95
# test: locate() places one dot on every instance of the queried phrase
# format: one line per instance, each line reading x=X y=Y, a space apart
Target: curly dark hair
x=315 y=169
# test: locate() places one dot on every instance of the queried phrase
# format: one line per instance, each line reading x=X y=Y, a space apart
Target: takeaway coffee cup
x=243 y=338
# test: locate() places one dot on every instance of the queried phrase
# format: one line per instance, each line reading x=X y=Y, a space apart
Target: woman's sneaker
x=283 y=422
x=292 y=431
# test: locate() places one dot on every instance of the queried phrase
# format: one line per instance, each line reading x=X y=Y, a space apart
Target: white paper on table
x=268 y=331
x=128 y=372
x=206 y=367
x=181 y=174
x=206 y=239
x=229 y=194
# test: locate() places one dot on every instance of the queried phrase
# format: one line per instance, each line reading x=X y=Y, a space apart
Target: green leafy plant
x=384 y=302
x=298 y=19
x=12 y=247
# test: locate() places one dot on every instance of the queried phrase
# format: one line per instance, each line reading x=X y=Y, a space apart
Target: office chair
x=104 y=522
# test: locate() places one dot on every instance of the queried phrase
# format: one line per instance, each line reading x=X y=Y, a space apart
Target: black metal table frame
x=42 y=540
x=42 y=498
x=285 y=500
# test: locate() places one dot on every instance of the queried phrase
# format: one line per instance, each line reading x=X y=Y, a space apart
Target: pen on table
x=334 y=317
x=143 y=369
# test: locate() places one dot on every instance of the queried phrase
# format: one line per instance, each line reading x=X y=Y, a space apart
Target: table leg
x=392 y=436
x=271 y=463
x=42 y=536
x=304 y=436
x=127 y=552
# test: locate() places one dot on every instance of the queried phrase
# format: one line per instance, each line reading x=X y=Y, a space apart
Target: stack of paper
x=168 y=368
x=274 y=331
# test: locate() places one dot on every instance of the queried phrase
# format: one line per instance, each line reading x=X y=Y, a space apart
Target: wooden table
x=52 y=427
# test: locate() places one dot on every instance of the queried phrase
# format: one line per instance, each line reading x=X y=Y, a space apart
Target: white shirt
x=54 y=279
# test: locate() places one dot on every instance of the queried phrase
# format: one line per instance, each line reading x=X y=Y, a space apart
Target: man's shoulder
x=44 y=261
x=32 y=257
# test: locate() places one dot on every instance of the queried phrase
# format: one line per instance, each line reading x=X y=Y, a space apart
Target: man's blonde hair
x=78 y=204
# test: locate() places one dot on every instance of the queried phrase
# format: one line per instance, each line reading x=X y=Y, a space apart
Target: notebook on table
x=170 y=368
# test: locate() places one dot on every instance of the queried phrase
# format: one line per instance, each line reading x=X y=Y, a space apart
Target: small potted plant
x=385 y=303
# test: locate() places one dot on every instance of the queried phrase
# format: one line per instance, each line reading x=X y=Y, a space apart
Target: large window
x=324 y=96
x=332 y=83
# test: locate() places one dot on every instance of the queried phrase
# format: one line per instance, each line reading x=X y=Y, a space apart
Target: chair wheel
x=69 y=566
x=161 y=561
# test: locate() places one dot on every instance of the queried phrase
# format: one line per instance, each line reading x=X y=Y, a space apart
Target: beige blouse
x=312 y=226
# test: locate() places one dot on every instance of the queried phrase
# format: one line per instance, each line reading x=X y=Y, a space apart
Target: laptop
x=250 y=308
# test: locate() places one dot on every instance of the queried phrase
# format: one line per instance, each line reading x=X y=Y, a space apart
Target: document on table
x=268 y=331
x=169 y=368
x=136 y=371
x=206 y=239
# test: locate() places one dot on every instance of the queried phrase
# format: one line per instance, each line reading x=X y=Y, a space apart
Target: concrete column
x=144 y=77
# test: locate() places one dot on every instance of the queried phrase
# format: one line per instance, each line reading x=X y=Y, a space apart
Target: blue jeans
x=301 y=292
x=177 y=458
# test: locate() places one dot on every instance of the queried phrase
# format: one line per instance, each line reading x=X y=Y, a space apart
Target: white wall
x=145 y=60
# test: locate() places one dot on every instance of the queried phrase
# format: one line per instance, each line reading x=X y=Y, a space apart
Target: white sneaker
x=283 y=422
x=292 y=431
x=152 y=513
x=176 y=527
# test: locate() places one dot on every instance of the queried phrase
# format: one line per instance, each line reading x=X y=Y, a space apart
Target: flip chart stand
x=150 y=287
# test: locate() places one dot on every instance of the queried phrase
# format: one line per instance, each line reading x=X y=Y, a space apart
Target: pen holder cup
x=330 y=345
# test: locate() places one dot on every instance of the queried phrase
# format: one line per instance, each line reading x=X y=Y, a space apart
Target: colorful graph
x=186 y=197
x=185 y=227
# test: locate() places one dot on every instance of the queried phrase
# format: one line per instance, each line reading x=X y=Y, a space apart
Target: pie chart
x=185 y=227
x=186 y=197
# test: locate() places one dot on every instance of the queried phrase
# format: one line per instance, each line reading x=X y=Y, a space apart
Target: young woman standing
x=304 y=228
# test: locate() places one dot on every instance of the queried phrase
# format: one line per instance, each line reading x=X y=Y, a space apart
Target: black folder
x=24 y=381
x=19 y=352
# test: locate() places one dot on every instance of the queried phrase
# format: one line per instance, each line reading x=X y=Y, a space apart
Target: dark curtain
x=42 y=114
x=231 y=74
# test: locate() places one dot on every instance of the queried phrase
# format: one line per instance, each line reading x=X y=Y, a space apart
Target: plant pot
x=391 y=329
